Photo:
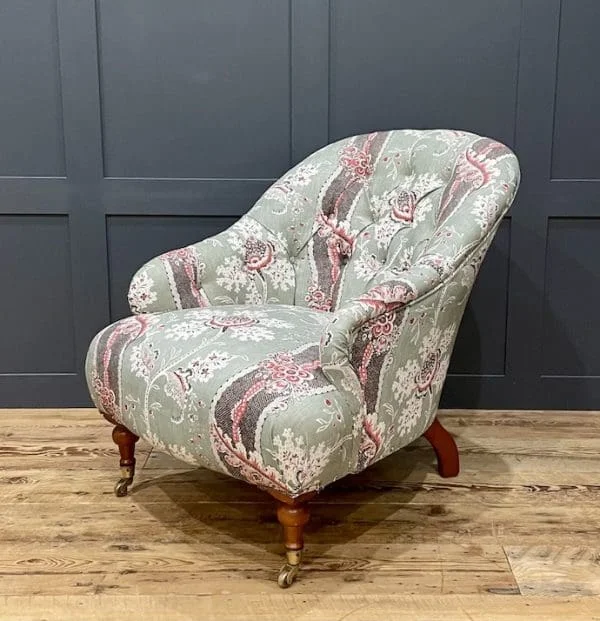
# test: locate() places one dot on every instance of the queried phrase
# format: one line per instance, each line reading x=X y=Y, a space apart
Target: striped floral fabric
x=313 y=337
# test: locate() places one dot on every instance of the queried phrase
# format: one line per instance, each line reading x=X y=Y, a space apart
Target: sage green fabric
x=313 y=337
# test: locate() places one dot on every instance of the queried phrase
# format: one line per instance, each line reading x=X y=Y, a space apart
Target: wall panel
x=424 y=64
x=132 y=127
x=576 y=152
x=37 y=306
x=195 y=91
x=571 y=337
x=30 y=97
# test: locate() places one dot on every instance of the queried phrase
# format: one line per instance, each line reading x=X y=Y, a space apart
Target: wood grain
x=244 y=568
x=553 y=570
x=511 y=537
x=302 y=607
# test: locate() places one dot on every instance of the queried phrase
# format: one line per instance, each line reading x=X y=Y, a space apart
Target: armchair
x=312 y=338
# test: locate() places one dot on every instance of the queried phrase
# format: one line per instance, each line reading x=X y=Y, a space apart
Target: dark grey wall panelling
x=576 y=153
x=210 y=95
x=426 y=64
x=132 y=127
x=571 y=343
x=30 y=97
x=37 y=307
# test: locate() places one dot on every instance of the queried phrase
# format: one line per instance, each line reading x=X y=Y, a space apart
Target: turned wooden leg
x=293 y=515
x=125 y=440
x=445 y=449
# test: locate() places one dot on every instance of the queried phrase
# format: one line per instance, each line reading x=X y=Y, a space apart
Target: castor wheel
x=122 y=486
x=290 y=570
x=287 y=575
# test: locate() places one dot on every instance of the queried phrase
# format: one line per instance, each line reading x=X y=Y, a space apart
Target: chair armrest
x=171 y=281
x=245 y=264
x=393 y=292
x=380 y=303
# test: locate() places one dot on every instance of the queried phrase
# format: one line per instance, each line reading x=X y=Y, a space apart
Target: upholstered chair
x=312 y=338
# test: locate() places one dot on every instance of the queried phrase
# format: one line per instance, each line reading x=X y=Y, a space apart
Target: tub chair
x=312 y=338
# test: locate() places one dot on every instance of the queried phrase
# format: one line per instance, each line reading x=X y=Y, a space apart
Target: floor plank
x=553 y=570
x=415 y=568
x=302 y=607
x=511 y=537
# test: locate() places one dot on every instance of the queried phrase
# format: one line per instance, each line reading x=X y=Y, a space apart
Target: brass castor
x=290 y=570
x=122 y=485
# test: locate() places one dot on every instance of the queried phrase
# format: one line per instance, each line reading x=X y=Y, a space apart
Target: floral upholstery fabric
x=233 y=388
x=313 y=337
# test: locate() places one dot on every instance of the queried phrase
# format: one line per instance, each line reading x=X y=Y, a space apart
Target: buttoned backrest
x=364 y=204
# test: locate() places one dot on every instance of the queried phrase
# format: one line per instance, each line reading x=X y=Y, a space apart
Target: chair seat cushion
x=233 y=388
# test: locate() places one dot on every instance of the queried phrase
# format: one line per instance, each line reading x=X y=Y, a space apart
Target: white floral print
x=203 y=369
x=302 y=175
x=232 y=276
x=143 y=359
x=484 y=211
x=366 y=266
x=141 y=295
x=404 y=385
x=298 y=463
x=225 y=364
x=247 y=326
x=409 y=416
x=257 y=259
x=287 y=189
x=185 y=330
x=281 y=275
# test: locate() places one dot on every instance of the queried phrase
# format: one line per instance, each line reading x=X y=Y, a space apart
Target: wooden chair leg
x=293 y=515
x=125 y=440
x=445 y=449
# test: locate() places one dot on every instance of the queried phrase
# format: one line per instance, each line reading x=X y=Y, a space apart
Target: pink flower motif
x=382 y=325
x=379 y=331
x=426 y=376
x=106 y=397
x=328 y=227
x=284 y=372
x=357 y=161
x=478 y=165
x=181 y=256
x=258 y=254
x=223 y=322
x=317 y=300
x=340 y=243
x=385 y=297
x=403 y=206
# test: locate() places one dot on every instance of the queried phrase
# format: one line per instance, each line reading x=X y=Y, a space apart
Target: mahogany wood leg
x=445 y=449
x=125 y=440
x=293 y=515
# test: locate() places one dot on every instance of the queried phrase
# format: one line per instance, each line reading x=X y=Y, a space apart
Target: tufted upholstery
x=319 y=327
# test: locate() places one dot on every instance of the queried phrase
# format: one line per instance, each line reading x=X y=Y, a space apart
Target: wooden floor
x=516 y=535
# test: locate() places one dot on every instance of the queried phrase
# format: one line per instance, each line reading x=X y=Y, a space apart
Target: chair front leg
x=125 y=440
x=293 y=515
